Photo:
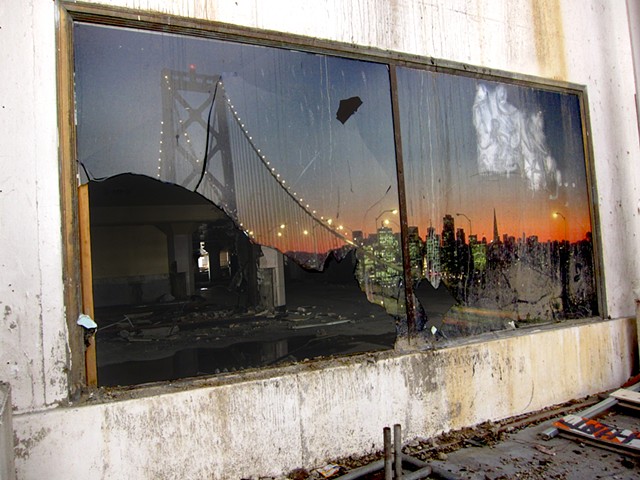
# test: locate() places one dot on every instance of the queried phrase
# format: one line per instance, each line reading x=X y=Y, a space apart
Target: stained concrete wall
x=269 y=422
x=129 y=250
x=130 y=264
x=581 y=41
x=633 y=8
x=34 y=355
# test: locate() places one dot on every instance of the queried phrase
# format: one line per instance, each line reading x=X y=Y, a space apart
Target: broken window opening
x=162 y=316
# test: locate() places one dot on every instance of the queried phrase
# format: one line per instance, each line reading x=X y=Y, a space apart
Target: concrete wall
x=580 y=41
x=34 y=355
x=130 y=264
x=633 y=8
x=269 y=422
x=130 y=250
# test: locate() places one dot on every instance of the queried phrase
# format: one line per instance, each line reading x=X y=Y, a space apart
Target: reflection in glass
x=288 y=161
x=238 y=122
x=496 y=184
x=295 y=149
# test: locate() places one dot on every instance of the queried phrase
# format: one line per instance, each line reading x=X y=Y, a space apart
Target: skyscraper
x=387 y=251
x=415 y=252
x=432 y=257
x=448 y=252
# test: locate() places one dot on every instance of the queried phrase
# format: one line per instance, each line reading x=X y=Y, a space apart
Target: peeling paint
x=23 y=446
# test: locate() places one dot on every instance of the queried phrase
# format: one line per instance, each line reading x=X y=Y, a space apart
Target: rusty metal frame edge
x=71 y=11
x=592 y=191
x=402 y=203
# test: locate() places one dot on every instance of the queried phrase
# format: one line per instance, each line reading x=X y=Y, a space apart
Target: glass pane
x=496 y=188
x=271 y=152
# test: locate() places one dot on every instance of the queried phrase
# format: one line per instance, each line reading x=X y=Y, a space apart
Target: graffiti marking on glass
x=511 y=140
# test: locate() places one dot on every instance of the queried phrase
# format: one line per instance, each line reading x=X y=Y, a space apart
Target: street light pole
x=394 y=211
x=468 y=219
x=564 y=219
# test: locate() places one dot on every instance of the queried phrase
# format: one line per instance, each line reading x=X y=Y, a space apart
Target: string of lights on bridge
x=327 y=224
x=186 y=134
x=338 y=231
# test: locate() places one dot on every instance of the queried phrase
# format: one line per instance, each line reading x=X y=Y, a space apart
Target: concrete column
x=7 y=456
x=273 y=262
x=183 y=254
x=214 y=260
x=182 y=263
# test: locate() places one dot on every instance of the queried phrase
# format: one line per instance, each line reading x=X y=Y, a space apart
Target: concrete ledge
x=272 y=421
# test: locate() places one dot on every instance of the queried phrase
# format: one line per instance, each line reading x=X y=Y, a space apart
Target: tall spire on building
x=496 y=236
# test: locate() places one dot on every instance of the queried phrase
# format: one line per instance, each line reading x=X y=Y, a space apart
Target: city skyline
x=471 y=146
x=361 y=238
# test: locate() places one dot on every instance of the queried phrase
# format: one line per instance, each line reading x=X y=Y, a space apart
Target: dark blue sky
x=286 y=99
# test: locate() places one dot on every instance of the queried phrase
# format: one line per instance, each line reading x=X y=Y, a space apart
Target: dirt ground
x=510 y=449
x=525 y=455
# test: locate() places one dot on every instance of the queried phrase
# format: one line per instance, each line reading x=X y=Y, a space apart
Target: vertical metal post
x=388 y=454
x=397 y=451
x=402 y=203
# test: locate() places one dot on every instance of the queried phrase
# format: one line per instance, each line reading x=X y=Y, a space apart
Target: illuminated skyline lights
x=440 y=253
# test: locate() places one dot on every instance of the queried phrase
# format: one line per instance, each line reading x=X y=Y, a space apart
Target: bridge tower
x=194 y=119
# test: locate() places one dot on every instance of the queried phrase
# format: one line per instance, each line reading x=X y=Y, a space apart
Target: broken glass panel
x=497 y=203
x=296 y=148
x=224 y=177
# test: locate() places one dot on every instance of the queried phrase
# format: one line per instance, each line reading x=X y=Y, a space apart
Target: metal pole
x=362 y=471
x=388 y=454
x=397 y=450
x=427 y=470
x=419 y=474
x=424 y=470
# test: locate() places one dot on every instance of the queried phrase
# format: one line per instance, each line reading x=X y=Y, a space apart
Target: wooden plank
x=68 y=197
x=84 y=226
x=624 y=441
x=630 y=406
x=595 y=443
x=627 y=396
